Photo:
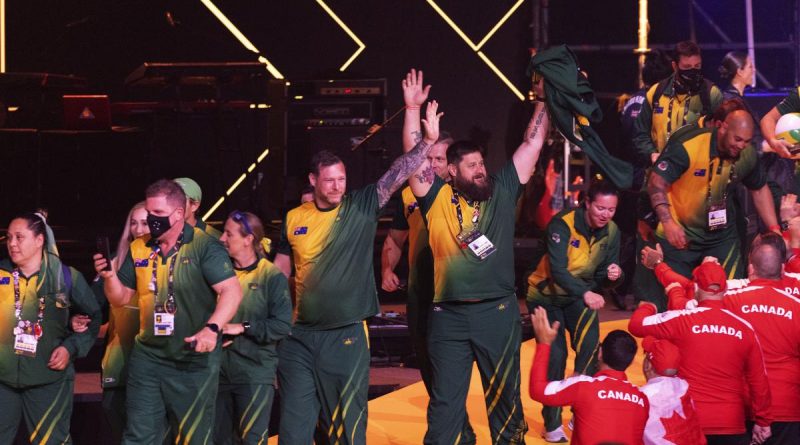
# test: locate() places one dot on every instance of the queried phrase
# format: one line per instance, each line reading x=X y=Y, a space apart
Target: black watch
x=246 y=326
x=214 y=327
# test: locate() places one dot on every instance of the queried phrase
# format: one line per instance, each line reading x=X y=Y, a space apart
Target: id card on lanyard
x=164 y=312
x=26 y=333
x=478 y=243
x=717 y=210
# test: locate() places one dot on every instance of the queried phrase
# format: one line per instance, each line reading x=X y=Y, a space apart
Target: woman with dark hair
x=737 y=71
x=250 y=359
x=37 y=347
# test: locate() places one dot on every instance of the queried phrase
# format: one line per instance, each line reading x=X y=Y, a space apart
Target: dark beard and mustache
x=472 y=191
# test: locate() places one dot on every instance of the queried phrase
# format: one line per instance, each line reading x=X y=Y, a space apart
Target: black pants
x=784 y=433
x=728 y=439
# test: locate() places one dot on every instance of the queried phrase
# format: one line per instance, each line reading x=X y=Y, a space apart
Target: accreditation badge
x=478 y=243
x=25 y=344
x=163 y=323
x=717 y=216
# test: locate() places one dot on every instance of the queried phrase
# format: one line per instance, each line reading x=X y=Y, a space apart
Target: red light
x=348 y=90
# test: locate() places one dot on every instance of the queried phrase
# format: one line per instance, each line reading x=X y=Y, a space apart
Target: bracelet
x=409 y=107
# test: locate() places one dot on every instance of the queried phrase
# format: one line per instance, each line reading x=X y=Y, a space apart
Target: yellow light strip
x=361 y=45
x=213 y=208
x=501 y=76
x=452 y=24
x=498 y=25
x=240 y=37
x=2 y=36
x=236 y=184
x=476 y=48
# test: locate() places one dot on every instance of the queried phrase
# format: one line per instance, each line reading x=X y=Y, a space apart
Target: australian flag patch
x=700 y=172
x=575 y=243
x=301 y=230
x=5 y=280
x=141 y=262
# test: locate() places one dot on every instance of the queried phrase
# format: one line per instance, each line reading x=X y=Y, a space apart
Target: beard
x=472 y=190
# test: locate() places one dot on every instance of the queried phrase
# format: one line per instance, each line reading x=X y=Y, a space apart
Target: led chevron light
x=236 y=184
x=349 y=32
x=240 y=37
x=476 y=47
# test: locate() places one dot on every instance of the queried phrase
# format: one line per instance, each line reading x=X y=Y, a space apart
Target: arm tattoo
x=658 y=197
x=400 y=170
x=535 y=125
x=425 y=176
x=417 y=136
x=662 y=211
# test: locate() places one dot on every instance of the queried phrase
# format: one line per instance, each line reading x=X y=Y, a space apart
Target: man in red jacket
x=720 y=352
x=606 y=407
x=774 y=315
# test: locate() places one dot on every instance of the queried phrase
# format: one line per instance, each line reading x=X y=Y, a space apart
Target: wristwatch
x=214 y=327
x=246 y=326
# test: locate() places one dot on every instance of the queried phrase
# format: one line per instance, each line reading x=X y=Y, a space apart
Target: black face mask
x=158 y=225
x=691 y=80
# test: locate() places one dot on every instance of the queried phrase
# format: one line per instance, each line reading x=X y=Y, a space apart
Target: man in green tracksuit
x=194 y=197
x=36 y=376
x=690 y=189
x=580 y=256
x=187 y=291
x=323 y=368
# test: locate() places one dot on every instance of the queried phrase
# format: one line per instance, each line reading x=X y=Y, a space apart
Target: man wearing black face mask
x=678 y=100
x=186 y=290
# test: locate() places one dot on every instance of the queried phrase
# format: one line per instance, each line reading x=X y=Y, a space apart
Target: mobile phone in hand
x=104 y=249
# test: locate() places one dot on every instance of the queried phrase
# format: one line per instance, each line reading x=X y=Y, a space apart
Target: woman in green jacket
x=250 y=360
x=37 y=346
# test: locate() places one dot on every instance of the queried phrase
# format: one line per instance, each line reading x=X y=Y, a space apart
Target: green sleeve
x=508 y=179
x=425 y=202
x=558 y=235
x=672 y=162
x=790 y=104
x=399 y=222
x=612 y=257
x=757 y=177
x=366 y=199
x=126 y=272
x=716 y=98
x=84 y=301
x=215 y=263
x=642 y=126
x=279 y=321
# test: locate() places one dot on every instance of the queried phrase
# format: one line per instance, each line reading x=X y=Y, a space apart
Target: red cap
x=663 y=355
x=710 y=274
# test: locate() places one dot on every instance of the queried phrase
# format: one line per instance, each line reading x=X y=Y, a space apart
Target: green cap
x=191 y=188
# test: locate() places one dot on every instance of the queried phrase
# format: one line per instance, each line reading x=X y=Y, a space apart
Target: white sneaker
x=556 y=436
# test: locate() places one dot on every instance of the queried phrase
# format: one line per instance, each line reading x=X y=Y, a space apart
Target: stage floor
x=398 y=418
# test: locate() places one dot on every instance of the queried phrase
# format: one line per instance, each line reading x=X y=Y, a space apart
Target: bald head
x=735 y=134
x=766 y=262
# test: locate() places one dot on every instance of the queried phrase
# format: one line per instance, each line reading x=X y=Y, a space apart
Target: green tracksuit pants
x=47 y=410
x=462 y=333
x=185 y=395
x=243 y=411
x=323 y=377
x=584 y=331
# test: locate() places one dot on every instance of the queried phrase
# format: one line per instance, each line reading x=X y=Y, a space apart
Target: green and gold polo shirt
x=123 y=325
x=20 y=371
x=201 y=263
x=266 y=305
x=573 y=259
x=208 y=229
x=332 y=251
x=691 y=164
x=458 y=273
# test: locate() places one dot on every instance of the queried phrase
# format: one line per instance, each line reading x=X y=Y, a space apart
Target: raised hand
x=414 y=93
x=545 y=332
x=431 y=122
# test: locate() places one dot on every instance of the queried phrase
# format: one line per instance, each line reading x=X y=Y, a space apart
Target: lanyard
x=669 y=113
x=476 y=214
x=25 y=326
x=731 y=177
x=169 y=305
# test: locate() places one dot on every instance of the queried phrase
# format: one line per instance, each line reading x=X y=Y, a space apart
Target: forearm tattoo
x=426 y=175
x=658 y=197
x=400 y=170
x=416 y=136
x=535 y=125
